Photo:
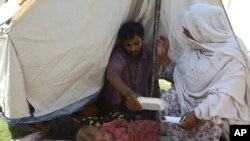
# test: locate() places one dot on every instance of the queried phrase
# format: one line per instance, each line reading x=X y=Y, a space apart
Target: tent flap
x=12 y=89
x=56 y=54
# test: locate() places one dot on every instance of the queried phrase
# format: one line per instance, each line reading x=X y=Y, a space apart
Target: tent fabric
x=49 y=72
x=56 y=52
x=58 y=113
x=12 y=7
x=12 y=81
x=171 y=22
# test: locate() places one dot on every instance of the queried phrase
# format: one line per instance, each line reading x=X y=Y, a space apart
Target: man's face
x=133 y=46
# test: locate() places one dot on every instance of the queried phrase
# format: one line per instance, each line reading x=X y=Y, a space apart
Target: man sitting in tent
x=127 y=72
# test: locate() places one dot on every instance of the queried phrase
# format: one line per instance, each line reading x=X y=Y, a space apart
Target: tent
x=234 y=8
x=54 y=53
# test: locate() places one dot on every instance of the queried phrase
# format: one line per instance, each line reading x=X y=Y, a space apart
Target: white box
x=149 y=103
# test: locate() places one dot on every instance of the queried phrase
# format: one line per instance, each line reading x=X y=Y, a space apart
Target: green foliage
x=5 y=135
x=164 y=85
x=8 y=132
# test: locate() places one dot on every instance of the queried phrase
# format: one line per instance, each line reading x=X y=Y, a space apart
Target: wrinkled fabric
x=147 y=130
x=56 y=54
x=206 y=130
x=212 y=75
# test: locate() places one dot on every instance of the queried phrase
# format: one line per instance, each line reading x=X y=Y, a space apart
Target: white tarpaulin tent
x=237 y=13
x=55 y=52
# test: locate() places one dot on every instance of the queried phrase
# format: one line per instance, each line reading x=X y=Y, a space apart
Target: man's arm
x=130 y=95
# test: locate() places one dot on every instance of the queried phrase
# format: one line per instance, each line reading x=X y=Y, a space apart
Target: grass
x=164 y=85
x=4 y=131
x=8 y=132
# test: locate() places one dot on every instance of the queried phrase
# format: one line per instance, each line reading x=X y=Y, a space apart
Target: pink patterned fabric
x=147 y=130
x=205 y=131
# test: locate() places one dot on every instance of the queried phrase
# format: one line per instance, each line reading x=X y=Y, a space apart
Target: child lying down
x=116 y=127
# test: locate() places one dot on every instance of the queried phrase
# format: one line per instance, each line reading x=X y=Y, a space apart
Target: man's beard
x=135 y=54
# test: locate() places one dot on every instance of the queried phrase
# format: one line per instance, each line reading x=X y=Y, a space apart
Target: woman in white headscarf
x=211 y=78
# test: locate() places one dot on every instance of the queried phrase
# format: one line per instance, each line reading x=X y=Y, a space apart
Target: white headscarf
x=212 y=76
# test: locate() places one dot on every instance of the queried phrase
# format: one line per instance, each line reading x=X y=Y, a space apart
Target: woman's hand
x=162 y=49
x=21 y=2
x=190 y=121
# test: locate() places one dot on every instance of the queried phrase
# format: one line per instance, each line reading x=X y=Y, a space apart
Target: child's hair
x=64 y=128
x=86 y=133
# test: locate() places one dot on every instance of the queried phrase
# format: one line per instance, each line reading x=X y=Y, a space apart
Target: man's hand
x=131 y=97
x=190 y=121
x=132 y=103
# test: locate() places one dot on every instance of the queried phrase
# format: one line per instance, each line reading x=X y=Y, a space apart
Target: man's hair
x=86 y=133
x=129 y=29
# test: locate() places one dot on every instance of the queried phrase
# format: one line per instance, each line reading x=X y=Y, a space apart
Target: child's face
x=102 y=136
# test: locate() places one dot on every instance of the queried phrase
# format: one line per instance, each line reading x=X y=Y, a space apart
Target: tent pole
x=154 y=87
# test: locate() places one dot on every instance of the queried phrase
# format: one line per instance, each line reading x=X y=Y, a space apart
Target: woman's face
x=101 y=135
